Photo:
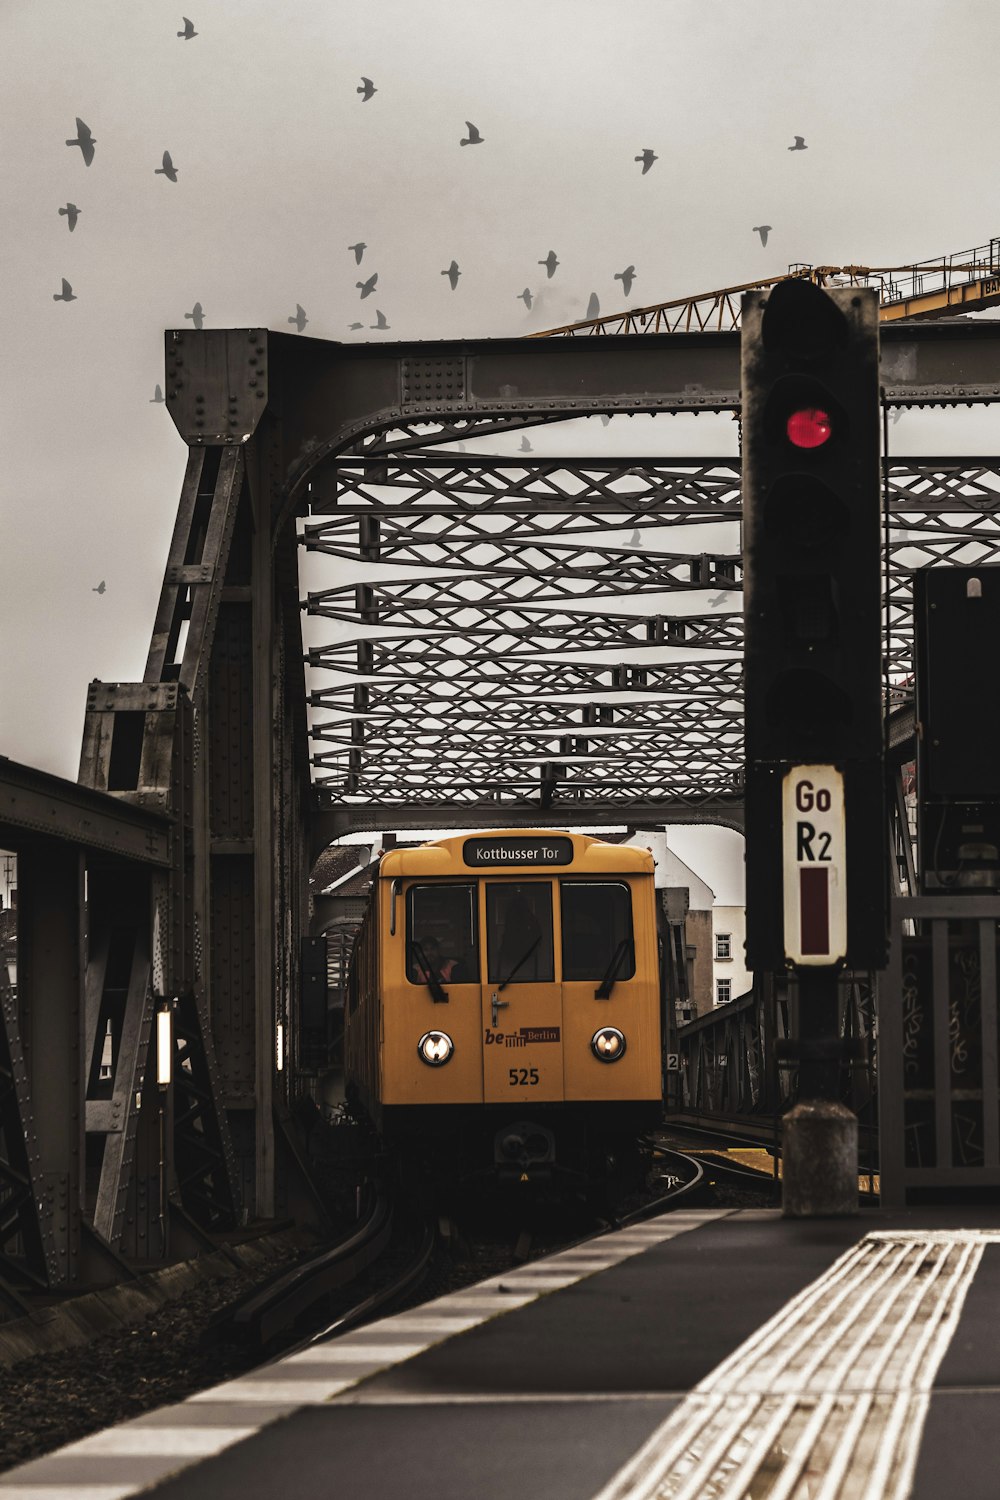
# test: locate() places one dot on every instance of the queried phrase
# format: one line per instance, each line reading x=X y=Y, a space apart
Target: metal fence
x=730 y=1071
x=939 y=1126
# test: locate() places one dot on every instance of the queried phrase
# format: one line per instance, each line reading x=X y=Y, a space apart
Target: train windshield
x=596 y=920
x=519 y=946
x=442 y=932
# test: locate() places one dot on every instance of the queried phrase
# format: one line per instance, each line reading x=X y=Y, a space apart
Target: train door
x=610 y=994
x=438 y=992
x=521 y=999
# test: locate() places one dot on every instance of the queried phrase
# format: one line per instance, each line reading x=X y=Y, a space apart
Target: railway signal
x=816 y=882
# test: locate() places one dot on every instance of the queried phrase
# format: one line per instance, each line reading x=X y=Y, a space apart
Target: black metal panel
x=957 y=618
x=230 y=693
x=231 y=974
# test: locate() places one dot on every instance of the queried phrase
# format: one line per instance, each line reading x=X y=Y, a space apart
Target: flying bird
x=605 y=419
x=452 y=273
x=366 y=90
x=715 y=600
x=157 y=395
x=188 y=31
x=380 y=322
x=635 y=540
x=626 y=278
x=593 y=306
x=800 y=145
x=300 y=320
x=100 y=588
x=197 y=316
x=526 y=446
x=473 y=138
x=168 y=169
x=525 y=297
x=71 y=214
x=896 y=415
x=66 y=295
x=763 y=230
x=84 y=140
x=550 y=264
x=367 y=287
x=354 y=326
x=647 y=158
x=359 y=250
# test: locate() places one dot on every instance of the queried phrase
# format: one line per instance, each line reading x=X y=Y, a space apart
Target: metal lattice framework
x=467 y=685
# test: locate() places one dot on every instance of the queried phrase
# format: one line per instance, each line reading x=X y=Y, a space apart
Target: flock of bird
x=87 y=142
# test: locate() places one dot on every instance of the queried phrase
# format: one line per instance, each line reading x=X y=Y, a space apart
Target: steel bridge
x=499 y=641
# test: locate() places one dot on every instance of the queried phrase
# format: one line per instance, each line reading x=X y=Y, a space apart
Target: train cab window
x=519 y=932
x=442 y=927
x=596 y=920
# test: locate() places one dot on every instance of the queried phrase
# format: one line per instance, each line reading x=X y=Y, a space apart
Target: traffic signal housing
x=812 y=603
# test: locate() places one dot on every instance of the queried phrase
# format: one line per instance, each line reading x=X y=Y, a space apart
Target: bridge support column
x=819 y=1159
x=819 y=1154
x=51 y=968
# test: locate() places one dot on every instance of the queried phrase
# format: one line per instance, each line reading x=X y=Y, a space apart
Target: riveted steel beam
x=724 y=810
x=333 y=395
x=33 y=802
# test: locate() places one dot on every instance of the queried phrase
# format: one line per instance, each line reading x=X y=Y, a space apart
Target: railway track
x=301 y=1295
x=712 y=1147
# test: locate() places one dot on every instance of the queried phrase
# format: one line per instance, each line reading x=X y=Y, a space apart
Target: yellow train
x=503 y=1008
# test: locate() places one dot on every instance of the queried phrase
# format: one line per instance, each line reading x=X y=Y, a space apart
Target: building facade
x=730 y=975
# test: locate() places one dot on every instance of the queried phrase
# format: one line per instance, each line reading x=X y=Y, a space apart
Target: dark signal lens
x=809 y=427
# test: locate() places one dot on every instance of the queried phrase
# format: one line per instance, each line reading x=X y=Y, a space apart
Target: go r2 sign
x=814 y=860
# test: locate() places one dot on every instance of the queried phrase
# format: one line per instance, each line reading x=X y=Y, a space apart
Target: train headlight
x=435 y=1048
x=608 y=1044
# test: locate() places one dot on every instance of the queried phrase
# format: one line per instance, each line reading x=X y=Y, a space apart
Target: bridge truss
x=499 y=641
x=572 y=644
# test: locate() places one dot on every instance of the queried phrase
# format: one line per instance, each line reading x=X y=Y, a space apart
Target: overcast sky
x=281 y=166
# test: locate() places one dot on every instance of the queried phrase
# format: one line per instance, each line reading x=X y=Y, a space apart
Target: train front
x=520 y=1029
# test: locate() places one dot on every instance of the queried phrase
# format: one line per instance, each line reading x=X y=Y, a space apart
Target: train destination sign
x=814 y=848
x=518 y=850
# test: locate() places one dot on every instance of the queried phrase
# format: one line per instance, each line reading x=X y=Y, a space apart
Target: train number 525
x=516 y=1076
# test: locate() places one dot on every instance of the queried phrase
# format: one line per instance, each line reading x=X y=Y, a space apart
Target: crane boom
x=946 y=286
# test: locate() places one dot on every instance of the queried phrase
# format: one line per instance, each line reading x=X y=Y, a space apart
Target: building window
x=723 y=945
x=723 y=991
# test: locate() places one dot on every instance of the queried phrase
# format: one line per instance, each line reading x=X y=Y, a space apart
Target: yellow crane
x=967 y=281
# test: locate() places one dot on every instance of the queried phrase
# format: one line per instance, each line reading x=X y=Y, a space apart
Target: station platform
x=717 y=1355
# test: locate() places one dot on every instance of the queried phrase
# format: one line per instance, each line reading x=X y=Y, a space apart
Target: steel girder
x=330 y=396
x=474 y=702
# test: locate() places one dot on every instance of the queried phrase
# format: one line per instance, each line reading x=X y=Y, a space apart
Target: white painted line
x=21 y=1491
x=301 y=1392
x=799 y=1456
x=843 y=1371
x=339 y=1352
x=157 y=1442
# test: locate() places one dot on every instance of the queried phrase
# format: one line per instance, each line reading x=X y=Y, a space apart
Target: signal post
x=816 y=859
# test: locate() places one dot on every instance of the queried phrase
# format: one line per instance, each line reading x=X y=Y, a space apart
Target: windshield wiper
x=522 y=960
x=433 y=978
x=608 y=982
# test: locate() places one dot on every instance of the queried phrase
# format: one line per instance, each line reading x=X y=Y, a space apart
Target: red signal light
x=810 y=427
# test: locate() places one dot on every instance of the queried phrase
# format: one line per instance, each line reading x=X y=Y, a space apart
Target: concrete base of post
x=819 y=1161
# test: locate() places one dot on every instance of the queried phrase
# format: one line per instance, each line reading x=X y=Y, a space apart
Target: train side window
x=519 y=932
x=442 y=925
x=596 y=919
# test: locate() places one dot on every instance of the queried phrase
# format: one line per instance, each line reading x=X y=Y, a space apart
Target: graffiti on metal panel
x=913 y=1019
